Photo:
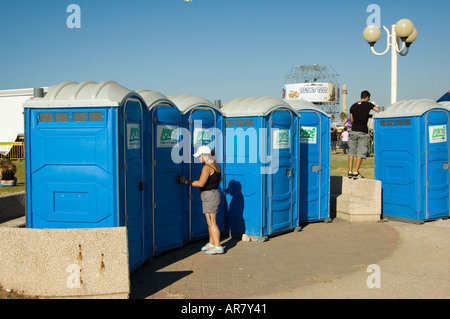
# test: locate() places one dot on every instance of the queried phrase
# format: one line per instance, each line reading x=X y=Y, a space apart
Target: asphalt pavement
x=386 y=259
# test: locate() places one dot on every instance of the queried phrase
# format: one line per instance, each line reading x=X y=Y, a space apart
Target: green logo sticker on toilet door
x=202 y=137
x=133 y=136
x=281 y=139
x=308 y=135
x=438 y=133
x=167 y=135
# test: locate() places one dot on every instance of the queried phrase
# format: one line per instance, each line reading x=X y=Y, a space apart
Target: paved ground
x=322 y=261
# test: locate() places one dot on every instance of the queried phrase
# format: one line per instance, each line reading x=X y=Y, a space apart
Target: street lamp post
x=404 y=30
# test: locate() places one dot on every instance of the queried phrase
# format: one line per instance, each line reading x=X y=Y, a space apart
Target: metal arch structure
x=316 y=73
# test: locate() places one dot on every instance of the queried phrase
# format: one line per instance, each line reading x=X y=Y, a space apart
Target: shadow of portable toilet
x=412 y=160
x=84 y=161
x=164 y=195
x=203 y=122
x=314 y=139
x=261 y=167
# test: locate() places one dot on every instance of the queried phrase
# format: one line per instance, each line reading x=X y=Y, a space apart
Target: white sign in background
x=312 y=92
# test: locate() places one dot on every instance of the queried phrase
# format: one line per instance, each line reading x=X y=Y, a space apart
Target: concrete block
x=357 y=209
x=356 y=200
x=69 y=263
x=12 y=206
x=358 y=218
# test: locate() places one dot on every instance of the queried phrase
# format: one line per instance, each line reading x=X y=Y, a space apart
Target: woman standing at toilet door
x=208 y=183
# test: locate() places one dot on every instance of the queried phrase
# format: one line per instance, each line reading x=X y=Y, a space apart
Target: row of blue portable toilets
x=100 y=155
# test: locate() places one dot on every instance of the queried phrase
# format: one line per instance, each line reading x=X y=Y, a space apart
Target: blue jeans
x=333 y=145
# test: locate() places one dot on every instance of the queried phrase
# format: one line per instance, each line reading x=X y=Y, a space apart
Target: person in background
x=7 y=173
x=359 y=136
x=208 y=183
x=344 y=140
x=334 y=139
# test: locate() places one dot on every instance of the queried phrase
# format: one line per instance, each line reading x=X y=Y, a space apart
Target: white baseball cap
x=202 y=150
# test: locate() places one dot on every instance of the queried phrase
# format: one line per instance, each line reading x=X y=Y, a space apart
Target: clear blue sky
x=220 y=49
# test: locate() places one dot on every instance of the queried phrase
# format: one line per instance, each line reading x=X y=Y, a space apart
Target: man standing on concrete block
x=359 y=136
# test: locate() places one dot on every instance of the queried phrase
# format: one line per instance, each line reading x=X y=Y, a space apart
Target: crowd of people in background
x=339 y=140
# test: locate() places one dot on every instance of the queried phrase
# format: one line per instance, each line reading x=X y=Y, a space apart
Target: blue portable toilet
x=314 y=139
x=412 y=160
x=261 y=166
x=204 y=124
x=84 y=161
x=164 y=195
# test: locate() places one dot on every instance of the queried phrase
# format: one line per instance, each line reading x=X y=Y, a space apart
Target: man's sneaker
x=350 y=175
x=207 y=247
x=357 y=176
x=214 y=251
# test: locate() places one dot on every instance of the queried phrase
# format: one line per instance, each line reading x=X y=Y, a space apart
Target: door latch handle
x=446 y=166
x=288 y=172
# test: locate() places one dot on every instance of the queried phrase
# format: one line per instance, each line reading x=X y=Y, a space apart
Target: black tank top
x=8 y=176
x=212 y=182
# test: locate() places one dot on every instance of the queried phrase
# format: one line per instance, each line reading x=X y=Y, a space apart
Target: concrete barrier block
x=368 y=188
x=356 y=200
x=358 y=218
x=69 y=263
x=357 y=209
x=12 y=206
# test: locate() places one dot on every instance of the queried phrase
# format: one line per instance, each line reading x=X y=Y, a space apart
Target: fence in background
x=13 y=151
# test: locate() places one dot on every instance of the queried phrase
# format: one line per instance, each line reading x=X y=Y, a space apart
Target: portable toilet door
x=205 y=124
x=133 y=118
x=314 y=143
x=164 y=196
x=281 y=186
x=261 y=177
x=437 y=164
x=84 y=160
x=411 y=160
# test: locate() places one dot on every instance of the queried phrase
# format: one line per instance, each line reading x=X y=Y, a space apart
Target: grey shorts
x=358 y=144
x=210 y=201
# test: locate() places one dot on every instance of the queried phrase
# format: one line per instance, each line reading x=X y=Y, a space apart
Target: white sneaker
x=207 y=247
x=215 y=250
x=357 y=176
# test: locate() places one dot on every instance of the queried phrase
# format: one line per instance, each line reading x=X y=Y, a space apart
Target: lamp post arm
x=404 y=53
x=388 y=43
x=396 y=44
